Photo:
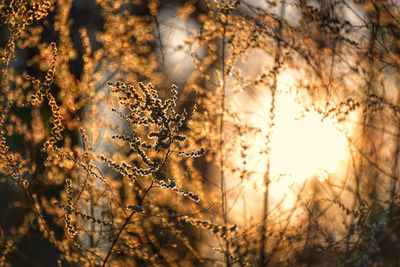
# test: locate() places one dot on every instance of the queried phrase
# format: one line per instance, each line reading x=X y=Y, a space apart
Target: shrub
x=105 y=161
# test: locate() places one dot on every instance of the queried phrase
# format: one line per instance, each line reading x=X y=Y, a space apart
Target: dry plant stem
x=117 y=236
x=127 y=220
x=7 y=58
x=267 y=179
x=92 y=226
x=396 y=171
x=275 y=248
x=38 y=214
x=221 y=152
x=160 y=43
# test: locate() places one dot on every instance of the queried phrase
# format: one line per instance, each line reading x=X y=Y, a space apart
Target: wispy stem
x=127 y=220
x=160 y=44
x=267 y=178
x=221 y=142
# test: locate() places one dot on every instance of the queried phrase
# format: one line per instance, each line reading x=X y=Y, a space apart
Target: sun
x=302 y=147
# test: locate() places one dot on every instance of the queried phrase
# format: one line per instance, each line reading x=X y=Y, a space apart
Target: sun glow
x=306 y=146
x=305 y=149
x=308 y=153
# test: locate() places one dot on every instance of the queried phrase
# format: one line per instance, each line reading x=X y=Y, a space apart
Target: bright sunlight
x=303 y=147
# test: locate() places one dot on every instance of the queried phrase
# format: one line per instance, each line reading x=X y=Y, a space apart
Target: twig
x=133 y=212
